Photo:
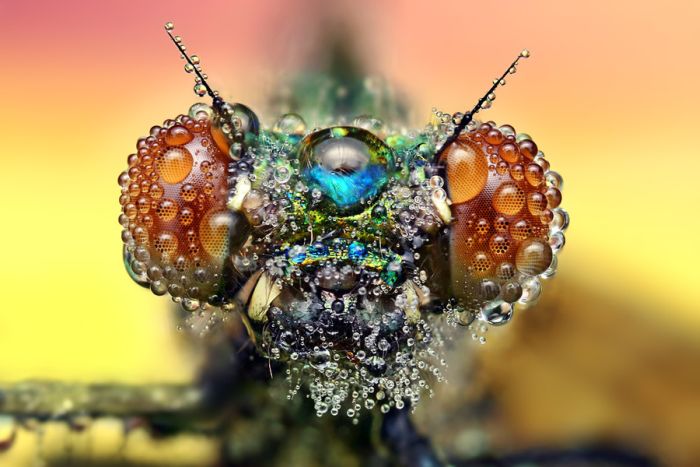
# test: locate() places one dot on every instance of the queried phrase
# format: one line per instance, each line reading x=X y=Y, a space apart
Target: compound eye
x=180 y=237
x=347 y=165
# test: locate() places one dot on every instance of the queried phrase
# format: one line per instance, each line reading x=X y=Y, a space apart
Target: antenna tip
x=525 y=53
x=169 y=26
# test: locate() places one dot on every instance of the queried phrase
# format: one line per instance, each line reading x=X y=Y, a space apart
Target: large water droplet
x=533 y=257
x=175 y=165
x=178 y=135
x=467 y=171
x=509 y=199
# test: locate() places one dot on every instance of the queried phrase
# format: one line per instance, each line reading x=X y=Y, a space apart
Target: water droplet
x=531 y=291
x=189 y=304
x=166 y=243
x=167 y=209
x=509 y=199
x=533 y=257
x=290 y=124
x=200 y=89
x=282 y=174
x=467 y=171
x=557 y=241
x=488 y=290
x=534 y=174
x=200 y=111
x=554 y=179
x=178 y=135
x=188 y=192
x=219 y=230
x=174 y=165
x=436 y=181
x=536 y=203
x=439 y=194
x=560 y=221
x=553 y=197
x=370 y=123
x=234 y=151
x=137 y=274
x=527 y=147
x=511 y=292
x=498 y=315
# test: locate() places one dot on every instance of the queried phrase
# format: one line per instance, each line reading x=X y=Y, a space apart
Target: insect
x=348 y=250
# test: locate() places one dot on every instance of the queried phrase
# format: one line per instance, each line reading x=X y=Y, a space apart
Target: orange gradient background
x=610 y=95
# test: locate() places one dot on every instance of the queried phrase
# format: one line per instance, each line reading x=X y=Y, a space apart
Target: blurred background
x=610 y=355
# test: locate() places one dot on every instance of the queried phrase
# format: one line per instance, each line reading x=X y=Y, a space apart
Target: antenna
x=193 y=63
x=486 y=97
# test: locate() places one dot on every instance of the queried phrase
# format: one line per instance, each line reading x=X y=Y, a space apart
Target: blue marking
x=347 y=190
x=357 y=251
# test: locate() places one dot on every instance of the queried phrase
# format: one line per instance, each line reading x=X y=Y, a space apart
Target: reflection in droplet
x=200 y=90
x=560 y=221
x=174 y=165
x=467 y=171
x=499 y=314
x=178 y=135
x=533 y=257
x=290 y=124
x=166 y=243
x=509 y=199
x=220 y=230
x=557 y=241
x=531 y=290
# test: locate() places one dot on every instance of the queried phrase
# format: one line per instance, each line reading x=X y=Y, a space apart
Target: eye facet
x=348 y=165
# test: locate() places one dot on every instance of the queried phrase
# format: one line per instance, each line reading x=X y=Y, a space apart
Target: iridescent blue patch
x=318 y=250
x=347 y=190
x=357 y=251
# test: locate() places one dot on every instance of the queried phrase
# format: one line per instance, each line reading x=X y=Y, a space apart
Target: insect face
x=347 y=253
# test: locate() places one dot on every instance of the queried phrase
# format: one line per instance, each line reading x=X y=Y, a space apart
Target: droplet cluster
x=508 y=223
x=340 y=291
x=177 y=230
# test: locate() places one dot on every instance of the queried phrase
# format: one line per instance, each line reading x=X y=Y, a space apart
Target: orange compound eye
x=507 y=221
x=179 y=236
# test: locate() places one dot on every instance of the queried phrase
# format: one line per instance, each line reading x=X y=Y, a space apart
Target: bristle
x=201 y=86
x=483 y=103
